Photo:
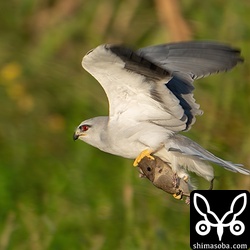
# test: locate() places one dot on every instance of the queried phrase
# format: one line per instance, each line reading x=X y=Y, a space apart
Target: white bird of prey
x=150 y=93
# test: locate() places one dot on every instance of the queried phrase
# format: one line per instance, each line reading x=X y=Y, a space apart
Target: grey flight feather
x=192 y=60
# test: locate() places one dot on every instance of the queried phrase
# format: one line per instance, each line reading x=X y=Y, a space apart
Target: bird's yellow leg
x=144 y=153
x=178 y=195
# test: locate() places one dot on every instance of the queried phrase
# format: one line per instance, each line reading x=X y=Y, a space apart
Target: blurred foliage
x=60 y=194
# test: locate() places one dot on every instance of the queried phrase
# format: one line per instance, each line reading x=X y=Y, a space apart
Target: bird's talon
x=178 y=195
x=144 y=153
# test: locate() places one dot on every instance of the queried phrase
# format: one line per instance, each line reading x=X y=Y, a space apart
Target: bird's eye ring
x=84 y=128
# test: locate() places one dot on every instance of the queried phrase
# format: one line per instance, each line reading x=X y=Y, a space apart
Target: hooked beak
x=75 y=136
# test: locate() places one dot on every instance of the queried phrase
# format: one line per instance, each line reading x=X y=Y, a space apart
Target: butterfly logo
x=210 y=219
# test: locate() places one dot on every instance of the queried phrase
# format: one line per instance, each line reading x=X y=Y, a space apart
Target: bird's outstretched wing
x=155 y=83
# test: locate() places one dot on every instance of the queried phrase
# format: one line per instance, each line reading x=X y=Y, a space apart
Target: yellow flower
x=11 y=71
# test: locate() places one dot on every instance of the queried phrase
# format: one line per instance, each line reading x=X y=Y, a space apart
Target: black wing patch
x=183 y=91
x=139 y=64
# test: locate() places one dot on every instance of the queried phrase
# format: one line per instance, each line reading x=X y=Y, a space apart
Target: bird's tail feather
x=186 y=146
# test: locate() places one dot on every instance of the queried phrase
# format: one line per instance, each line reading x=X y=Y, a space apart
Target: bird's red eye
x=84 y=128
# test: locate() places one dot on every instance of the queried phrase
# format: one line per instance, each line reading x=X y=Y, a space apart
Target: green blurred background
x=60 y=194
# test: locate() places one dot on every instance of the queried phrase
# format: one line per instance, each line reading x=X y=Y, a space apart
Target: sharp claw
x=145 y=153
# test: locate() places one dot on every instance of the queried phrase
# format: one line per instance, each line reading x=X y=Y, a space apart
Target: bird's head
x=81 y=131
x=91 y=131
